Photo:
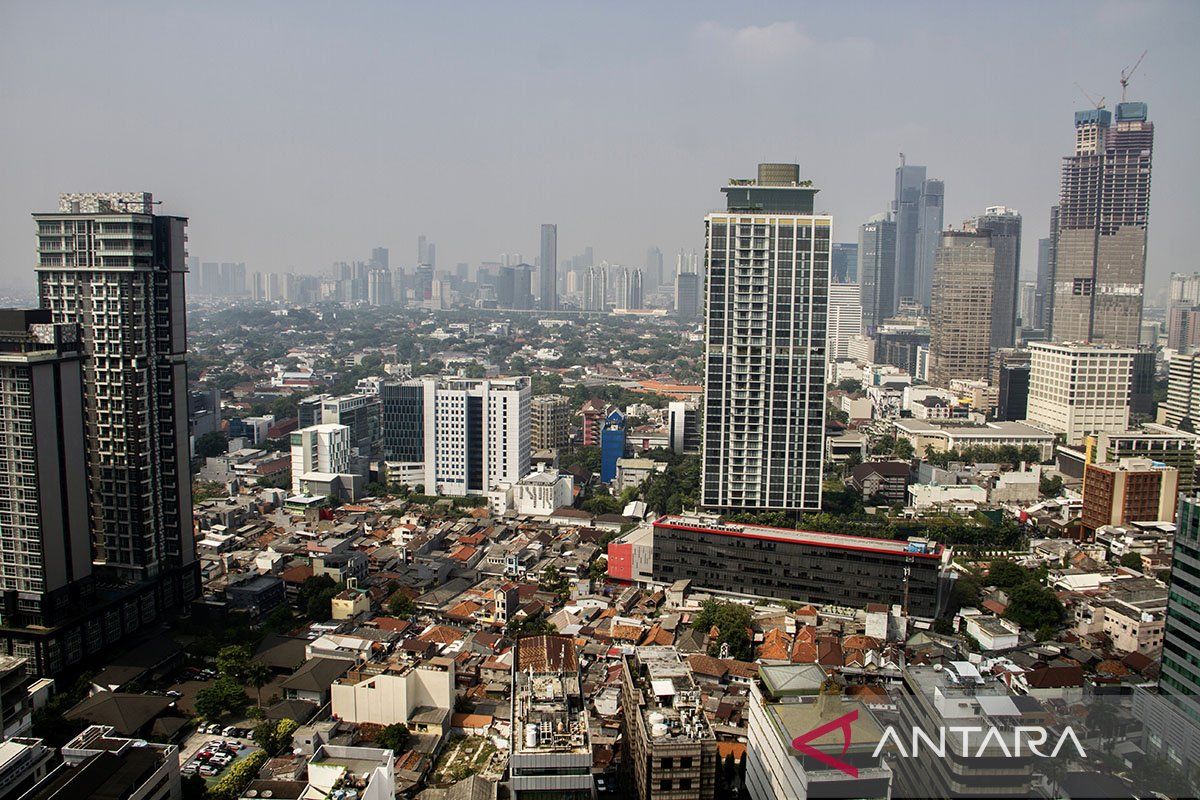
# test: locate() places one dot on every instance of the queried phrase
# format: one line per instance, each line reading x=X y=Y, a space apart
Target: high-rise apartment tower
x=767 y=296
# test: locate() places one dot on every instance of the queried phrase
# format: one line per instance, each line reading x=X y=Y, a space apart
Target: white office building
x=1079 y=389
x=1183 y=393
x=321 y=449
x=845 y=318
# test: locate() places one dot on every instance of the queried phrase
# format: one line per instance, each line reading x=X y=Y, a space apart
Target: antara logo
x=843 y=723
x=1026 y=740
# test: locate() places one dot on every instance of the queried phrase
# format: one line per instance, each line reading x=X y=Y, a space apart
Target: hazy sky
x=294 y=134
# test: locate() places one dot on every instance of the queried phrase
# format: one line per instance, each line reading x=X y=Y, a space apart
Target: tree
x=232 y=661
x=1006 y=574
x=238 y=777
x=401 y=605
x=520 y=627
x=1050 y=485
x=212 y=444
x=1131 y=561
x=394 y=737
x=280 y=620
x=224 y=696
x=850 y=385
x=314 y=596
x=903 y=450
x=275 y=736
x=554 y=581
x=732 y=621
x=258 y=675
x=1033 y=606
x=598 y=570
x=964 y=594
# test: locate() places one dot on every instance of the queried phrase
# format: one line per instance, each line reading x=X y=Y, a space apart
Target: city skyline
x=1021 y=128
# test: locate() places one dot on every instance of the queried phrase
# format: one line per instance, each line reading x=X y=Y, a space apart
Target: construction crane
x=1097 y=104
x=1127 y=73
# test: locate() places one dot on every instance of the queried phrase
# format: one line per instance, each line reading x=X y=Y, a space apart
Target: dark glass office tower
x=877 y=270
x=843 y=262
x=766 y=301
x=1103 y=216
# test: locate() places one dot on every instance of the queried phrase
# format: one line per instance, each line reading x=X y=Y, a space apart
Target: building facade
x=786 y=702
x=1079 y=389
x=799 y=566
x=667 y=742
x=1003 y=225
x=322 y=449
x=683 y=427
x=550 y=748
x=107 y=263
x=877 y=270
x=548 y=275
x=1182 y=409
x=550 y=421
x=843 y=262
x=845 y=318
x=1103 y=216
x=766 y=301
x=612 y=445
x=960 y=317
x=45 y=543
x=1130 y=490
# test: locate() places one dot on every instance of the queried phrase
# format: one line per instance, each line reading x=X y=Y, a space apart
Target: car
x=188 y=769
x=208 y=771
x=174 y=693
x=220 y=761
x=227 y=731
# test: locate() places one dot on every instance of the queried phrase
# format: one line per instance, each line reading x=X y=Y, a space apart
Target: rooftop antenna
x=1127 y=73
x=1097 y=104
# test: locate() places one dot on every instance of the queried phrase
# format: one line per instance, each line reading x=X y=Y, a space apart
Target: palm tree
x=257 y=675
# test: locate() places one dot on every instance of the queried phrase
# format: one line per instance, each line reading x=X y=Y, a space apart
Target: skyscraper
x=905 y=210
x=687 y=295
x=628 y=284
x=44 y=537
x=595 y=288
x=930 y=208
x=960 y=316
x=379 y=258
x=877 y=270
x=1103 y=214
x=426 y=252
x=112 y=266
x=1045 y=275
x=1004 y=226
x=843 y=262
x=767 y=296
x=549 y=268
x=654 y=268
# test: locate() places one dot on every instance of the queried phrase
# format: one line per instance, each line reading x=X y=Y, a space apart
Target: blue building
x=612 y=445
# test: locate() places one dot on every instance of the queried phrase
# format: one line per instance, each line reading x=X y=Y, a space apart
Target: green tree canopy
x=212 y=444
x=1033 y=607
x=1005 y=574
x=732 y=621
x=223 y=696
